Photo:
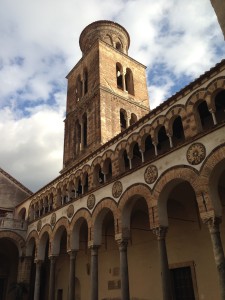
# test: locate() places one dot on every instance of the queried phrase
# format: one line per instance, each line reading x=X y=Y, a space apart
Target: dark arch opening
x=205 y=116
x=220 y=106
x=163 y=141
x=137 y=159
x=149 y=148
x=178 y=131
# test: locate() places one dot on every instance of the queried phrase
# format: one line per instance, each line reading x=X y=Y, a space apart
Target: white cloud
x=40 y=45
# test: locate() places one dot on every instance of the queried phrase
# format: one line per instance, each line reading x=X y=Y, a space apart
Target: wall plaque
x=151 y=174
x=196 y=153
x=91 y=201
x=70 y=211
x=117 y=189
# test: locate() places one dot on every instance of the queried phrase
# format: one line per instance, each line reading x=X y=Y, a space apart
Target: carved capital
x=72 y=254
x=213 y=224
x=123 y=245
x=38 y=262
x=160 y=232
x=52 y=258
x=94 y=250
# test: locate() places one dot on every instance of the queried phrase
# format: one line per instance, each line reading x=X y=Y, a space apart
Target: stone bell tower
x=106 y=93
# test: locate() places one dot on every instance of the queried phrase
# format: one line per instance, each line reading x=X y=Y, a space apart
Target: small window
x=85 y=81
x=182 y=284
x=129 y=81
x=60 y=294
x=118 y=46
x=119 y=76
x=123 y=120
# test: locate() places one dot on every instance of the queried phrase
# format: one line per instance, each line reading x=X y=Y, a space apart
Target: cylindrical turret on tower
x=107 y=31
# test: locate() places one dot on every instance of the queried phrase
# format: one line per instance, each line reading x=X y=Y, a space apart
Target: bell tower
x=107 y=91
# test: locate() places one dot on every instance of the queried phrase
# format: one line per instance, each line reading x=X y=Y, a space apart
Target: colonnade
x=160 y=232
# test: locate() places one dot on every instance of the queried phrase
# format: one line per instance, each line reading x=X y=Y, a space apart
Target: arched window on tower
x=220 y=106
x=119 y=76
x=84 y=120
x=133 y=119
x=79 y=88
x=205 y=116
x=129 y=81
x=118 y=46
x=123 y=119
x=77 y=137
x=85 y=76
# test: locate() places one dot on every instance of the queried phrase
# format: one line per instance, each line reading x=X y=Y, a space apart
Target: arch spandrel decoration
x=196 y=153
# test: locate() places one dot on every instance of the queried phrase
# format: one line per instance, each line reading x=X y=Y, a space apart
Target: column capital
x=213 y=224
x=52 y=258
x=122 y=244
x=38 y=261
x=94 y=249
x=160 y=232
x=72 y=253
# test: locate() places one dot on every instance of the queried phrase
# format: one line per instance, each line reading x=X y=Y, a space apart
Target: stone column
x=94 y=272
x=125 y=292
x=52 y=278
x=214 y=230
x=37 y=284
x=170 y=140
x=142 y=155
x=73 y=255
x=155 y=147
x=213 y=116
x=160 y=232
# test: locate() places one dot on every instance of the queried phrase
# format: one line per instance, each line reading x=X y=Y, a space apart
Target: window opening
x=123 y=121
x=118 y=46
x=129 y=81
x=60 y=294
x=85 y=82
x=133 y=119
x=182 y=284
x=119 y=76
x=85 y=130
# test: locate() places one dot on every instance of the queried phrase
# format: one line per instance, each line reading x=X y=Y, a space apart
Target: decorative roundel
x=151 y=174
x=39 y=225
x=91 y=201
x=53 y=219
x=70 y=211
x=117 y=189
x=196 y=153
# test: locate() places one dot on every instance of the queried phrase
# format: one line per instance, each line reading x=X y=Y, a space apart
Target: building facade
x=136 y=212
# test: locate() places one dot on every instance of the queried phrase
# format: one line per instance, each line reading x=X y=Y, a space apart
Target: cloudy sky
x=177 y=40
